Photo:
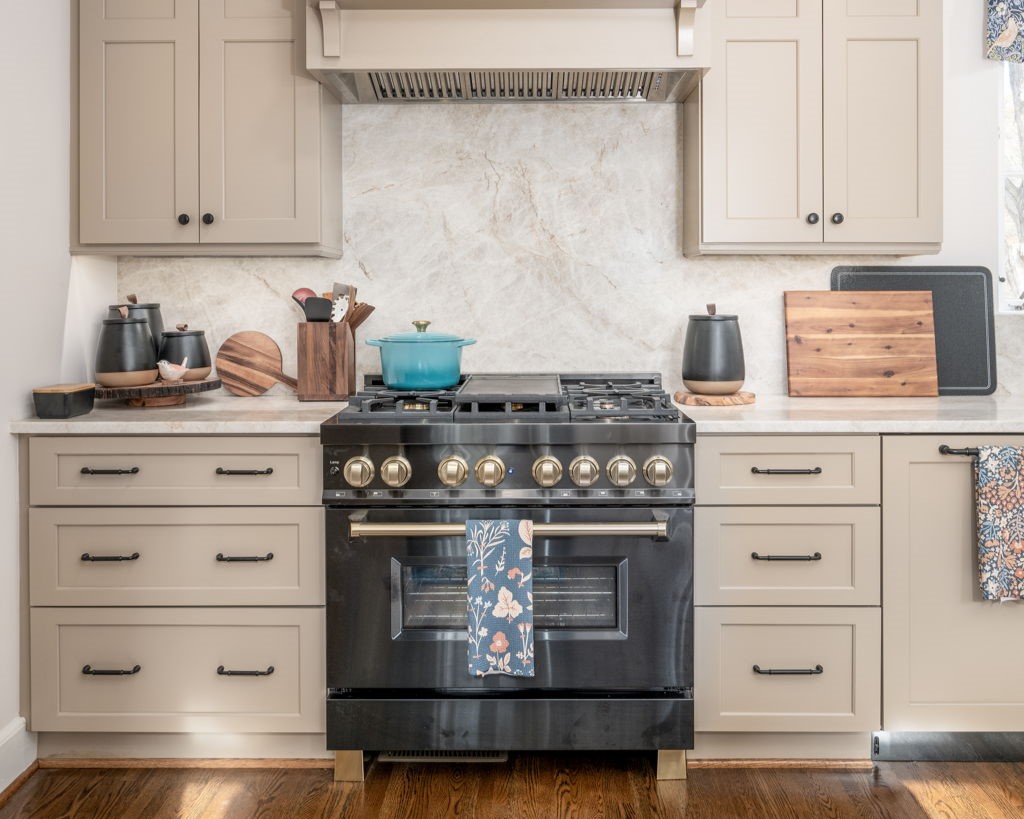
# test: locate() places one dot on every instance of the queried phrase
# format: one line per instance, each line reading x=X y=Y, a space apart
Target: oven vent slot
x=517 y=86
x=442 y=756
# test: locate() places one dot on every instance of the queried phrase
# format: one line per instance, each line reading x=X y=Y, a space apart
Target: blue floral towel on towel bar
x=499 y=597
x=999 y=500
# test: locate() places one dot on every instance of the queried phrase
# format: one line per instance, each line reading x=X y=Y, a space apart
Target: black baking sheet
x=965 y=338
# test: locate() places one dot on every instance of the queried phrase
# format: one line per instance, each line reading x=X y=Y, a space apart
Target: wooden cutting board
x=249 y=363
x=861 y=343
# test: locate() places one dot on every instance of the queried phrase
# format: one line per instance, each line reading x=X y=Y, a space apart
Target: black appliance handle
x=88 y=558
x=88 y=470
x=776 y=672
x=222 y=471
x=221 y=558
x=227 y=673
x=111 y=672
x=815 y=556
x=756 y=470
x=948 y=450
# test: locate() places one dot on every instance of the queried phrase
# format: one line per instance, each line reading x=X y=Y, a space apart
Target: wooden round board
x=249 y=363
x=159 y=393
x=737 y=398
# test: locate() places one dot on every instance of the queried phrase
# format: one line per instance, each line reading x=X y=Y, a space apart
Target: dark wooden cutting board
x=860 y=343
x=249 y=363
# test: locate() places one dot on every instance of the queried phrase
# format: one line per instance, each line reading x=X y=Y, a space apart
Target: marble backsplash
x=551 y=234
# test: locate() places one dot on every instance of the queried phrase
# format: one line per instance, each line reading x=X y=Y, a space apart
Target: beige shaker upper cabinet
x=139 y=119
x=820 y=129
x=883 y=120
x=762 y=123
x=200 y=132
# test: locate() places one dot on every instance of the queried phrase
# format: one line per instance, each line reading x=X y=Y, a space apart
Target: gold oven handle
x=653 y=529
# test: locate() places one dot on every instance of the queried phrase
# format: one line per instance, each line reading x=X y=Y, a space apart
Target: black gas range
x=602 y=464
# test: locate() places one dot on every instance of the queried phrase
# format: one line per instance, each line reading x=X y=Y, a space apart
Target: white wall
x=34 y=276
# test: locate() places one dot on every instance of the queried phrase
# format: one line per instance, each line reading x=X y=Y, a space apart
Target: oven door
x=612 y=588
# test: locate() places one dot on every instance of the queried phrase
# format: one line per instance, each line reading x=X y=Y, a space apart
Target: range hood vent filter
x=515 y=86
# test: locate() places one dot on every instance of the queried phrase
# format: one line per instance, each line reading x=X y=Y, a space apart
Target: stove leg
x=348 y=766
x=671 y=765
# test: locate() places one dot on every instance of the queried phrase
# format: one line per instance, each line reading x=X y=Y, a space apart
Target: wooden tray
x=735 y=399
x=159 y=393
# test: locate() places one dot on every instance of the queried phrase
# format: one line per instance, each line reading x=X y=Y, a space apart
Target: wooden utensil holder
x=327 y=361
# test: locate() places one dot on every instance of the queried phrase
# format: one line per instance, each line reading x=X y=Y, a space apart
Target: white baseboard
x=17 y=751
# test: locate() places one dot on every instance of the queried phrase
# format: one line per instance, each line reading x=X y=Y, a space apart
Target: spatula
x=249 y=363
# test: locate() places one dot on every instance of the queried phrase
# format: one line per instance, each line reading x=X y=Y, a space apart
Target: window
x=1011 y=280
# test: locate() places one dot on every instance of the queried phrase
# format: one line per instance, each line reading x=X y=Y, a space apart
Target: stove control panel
x=547 y=471
x=621 y=470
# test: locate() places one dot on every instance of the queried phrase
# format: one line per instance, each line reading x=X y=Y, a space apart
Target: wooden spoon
x=249 y=363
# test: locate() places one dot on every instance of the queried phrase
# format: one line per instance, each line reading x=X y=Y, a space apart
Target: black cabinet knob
x=813 y=218
x=207 y=218
x=183 y=219
x=838 y=218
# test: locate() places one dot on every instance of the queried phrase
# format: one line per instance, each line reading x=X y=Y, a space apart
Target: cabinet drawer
x=176 y=557
x=172 y=470
x=177 y=687
x=764 y=470
x=819 y=556
x=731 y=696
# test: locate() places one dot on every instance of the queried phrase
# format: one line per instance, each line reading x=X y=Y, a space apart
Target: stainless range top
x=502 y=439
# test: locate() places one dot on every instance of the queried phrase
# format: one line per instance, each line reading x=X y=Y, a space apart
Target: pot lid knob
x=421 y=326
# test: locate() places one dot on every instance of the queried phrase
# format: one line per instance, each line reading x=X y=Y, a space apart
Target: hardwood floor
x=530 y=786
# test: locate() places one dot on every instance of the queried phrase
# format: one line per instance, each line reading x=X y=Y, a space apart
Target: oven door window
x=571 y=598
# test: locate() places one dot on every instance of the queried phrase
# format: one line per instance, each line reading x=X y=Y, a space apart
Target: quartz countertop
x=281 y=414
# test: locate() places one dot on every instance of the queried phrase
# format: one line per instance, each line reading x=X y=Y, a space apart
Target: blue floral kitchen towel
x=499 y=597
x=999 y=500
x=1004 y=27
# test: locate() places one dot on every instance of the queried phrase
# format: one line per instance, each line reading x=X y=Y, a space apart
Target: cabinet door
x=952 y=661
x=762 y=123
x=259 y=121
x=883 y=120
x=138 y=106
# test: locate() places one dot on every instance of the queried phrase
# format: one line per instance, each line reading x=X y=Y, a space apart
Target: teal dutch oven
x=421 y=360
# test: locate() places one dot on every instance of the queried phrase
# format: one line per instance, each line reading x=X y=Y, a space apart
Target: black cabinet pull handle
x=838 y=218
x=88 y=558
x=813 y=218
x=207 y=218
x=756 y=470
x=771 y=672
x=88 y=470
x=815 y=556
x=226 y=673
x=254 y=559
x=222 y=471
x=948 y=450
x=183 y=219
x=111 y=672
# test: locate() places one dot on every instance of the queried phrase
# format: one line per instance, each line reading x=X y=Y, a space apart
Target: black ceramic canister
x=177 y=345
x=713 y=355
x=125 y=354
x=149 y=312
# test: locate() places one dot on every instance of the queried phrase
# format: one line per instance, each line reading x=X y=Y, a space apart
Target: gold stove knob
x=453 y=471
x=657 y=470
x=547 y=471
x=622 y=470
x=584 y=471
x=490 y=471
x=396 y=471
x=358 y=471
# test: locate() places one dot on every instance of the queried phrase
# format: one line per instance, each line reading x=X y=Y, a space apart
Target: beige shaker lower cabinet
x=787 y=623
x=952 y=661
x=176 y=584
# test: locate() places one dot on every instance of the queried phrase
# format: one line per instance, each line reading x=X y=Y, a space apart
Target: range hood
x=398 y=51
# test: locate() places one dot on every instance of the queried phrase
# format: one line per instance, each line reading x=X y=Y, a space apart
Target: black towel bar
x=947 y=450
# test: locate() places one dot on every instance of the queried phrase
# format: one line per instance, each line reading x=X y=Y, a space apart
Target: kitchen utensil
x=713 y=354
x=736 y=399
x=965 y=338
x=421 y=360
x=182 y=343
x=327 y=361
x=317 y=309
x=300 y=295
x=861 y=343
x=149 y=312
x=357 y=314
x=249 y=363
x=63 y=400
x=125 y=353
x=343 y=296
x=160 y=394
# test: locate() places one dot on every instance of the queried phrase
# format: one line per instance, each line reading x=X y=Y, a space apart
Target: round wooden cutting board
x=249 y=363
